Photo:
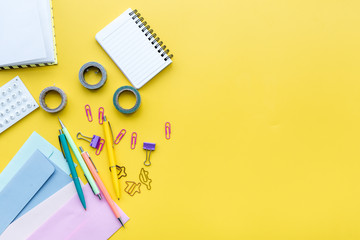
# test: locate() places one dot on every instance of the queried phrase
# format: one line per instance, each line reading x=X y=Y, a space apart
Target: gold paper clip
x=132 y=188
x=144 y=178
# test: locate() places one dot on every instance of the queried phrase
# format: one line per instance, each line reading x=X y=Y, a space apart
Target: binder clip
x=88 y=112
x=95 y=142
x=149 y=147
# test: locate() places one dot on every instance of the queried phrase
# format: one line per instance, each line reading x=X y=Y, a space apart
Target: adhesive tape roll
x=44 y=105
x=126 y=89
x=86 y=68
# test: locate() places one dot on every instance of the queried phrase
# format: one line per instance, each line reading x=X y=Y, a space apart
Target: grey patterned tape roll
x=85 y=68
x=44 y=105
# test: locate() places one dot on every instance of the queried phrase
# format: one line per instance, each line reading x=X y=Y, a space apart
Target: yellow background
x=264 y=101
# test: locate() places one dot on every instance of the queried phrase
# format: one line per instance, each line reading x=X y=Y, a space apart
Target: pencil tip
x=121 y=222
x=61 y=123
x=99 y=196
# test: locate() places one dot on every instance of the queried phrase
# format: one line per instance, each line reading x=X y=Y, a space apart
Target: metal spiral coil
x=149 y=33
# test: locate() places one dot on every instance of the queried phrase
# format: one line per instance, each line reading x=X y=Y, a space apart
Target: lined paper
x=131 y=50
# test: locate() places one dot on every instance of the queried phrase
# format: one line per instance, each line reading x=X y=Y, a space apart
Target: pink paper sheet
x=73 y=222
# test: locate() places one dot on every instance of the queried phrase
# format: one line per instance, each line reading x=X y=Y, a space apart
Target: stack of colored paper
x=38 y=199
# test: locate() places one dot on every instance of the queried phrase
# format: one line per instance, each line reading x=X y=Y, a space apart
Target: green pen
x=83 y=166
x=66 y=152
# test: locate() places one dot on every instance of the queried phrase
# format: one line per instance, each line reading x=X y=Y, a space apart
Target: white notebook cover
x=125 y=41
x=27 y=34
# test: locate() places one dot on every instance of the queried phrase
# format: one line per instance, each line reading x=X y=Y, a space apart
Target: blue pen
x=66 y=152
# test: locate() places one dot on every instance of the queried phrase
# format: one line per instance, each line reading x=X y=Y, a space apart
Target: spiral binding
x=149 y=33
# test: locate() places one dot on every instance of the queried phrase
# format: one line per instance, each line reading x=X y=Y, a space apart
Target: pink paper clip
x=133 y=140
x=100 y=147
x=88 y=112
x=167 y=130
x=101 y=115
x=120 y=136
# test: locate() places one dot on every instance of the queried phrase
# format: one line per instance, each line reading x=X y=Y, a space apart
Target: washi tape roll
x=86 y=68
x=126 y=89
x=44 y=105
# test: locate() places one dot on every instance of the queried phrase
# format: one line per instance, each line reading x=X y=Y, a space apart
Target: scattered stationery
x=101 y=185
x=22 y=187
x=134 y=48
x=65 y=149
x=71 y=222
x=15 y=103
x=37 y=216
x=83 y=166
x=111 y=155
x=38 y=198
x=34 y=142
x=28 y=37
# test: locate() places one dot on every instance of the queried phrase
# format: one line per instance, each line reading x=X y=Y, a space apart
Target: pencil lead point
x=61 y=123
x=121 y=222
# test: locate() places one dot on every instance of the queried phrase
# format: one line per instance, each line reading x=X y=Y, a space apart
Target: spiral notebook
x=134 y=47
x=27 y=36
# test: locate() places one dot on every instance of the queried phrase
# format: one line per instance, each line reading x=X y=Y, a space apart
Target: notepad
x=27 y=36
x=134 y=47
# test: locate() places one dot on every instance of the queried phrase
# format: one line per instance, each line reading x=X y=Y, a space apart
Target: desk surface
x=263 y=98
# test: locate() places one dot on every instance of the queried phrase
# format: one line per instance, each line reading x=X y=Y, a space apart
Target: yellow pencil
x=110 y=148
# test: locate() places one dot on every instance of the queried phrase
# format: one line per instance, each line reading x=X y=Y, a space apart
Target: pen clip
x=89 y=184
x=61 y=146
x=112 y=134
x=92 y=161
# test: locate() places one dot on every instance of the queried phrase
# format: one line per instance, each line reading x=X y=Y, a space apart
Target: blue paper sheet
x=34 y=142
x=23 y=186
x=57 y=180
